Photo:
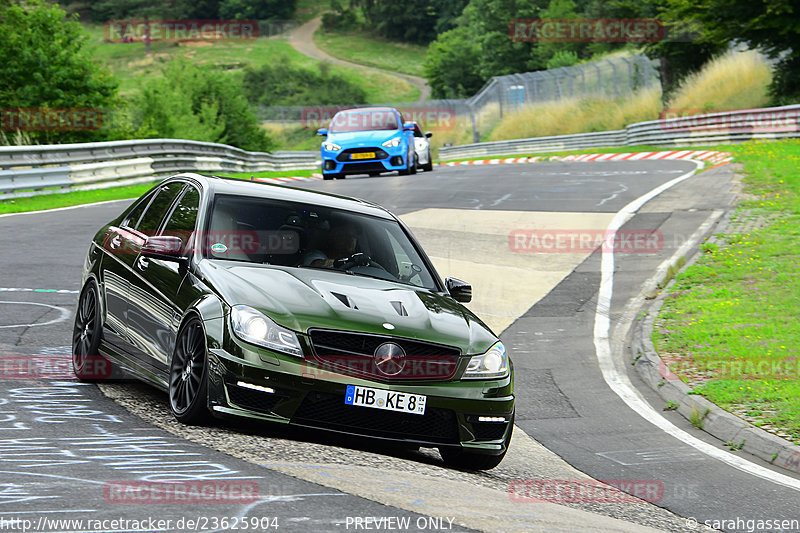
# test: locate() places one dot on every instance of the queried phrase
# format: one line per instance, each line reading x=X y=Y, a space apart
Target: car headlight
x=331 y=147
x=490 y=365
x=394 y=142
x=254 y=327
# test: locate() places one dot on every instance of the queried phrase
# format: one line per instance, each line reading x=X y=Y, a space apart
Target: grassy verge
x=729 y=327
x=56 y=200
x=133 y=68
x=372 y=51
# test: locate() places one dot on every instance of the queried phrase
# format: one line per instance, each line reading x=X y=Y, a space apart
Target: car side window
x=183 y=218
x=151 y=220
x=132 y=220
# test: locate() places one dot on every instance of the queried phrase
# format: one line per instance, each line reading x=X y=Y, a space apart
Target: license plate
x=401 y=402
x=363 y=155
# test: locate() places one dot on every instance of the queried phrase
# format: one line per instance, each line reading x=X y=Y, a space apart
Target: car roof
x=260 y=189
x=362 y=109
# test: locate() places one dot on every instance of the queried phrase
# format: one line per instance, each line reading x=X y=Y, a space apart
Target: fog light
x=397 y=160
x=491 y=419
x=255 y=387
x=330 y=165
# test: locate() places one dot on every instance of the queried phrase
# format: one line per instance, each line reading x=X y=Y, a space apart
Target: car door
x=125 y=243
x=157 y=302
x=121 y=244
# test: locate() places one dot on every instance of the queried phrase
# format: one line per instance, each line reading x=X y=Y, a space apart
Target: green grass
x=56 y=200
x=373 y=51
x=729 y=326
x=133 y=68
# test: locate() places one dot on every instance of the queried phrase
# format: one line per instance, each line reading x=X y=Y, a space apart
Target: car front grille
x=328 y=411
x=345 y=155
x=354 y=354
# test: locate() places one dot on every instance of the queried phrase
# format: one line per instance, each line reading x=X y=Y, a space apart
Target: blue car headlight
x=331 y=147
x=394 y=142
x=254 y=327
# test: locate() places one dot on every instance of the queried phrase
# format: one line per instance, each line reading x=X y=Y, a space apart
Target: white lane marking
x=619 y=382
x=64 y=315
x=70 y=207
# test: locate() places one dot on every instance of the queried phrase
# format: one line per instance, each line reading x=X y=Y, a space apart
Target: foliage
x=413 y=21
x=51 y=66
x=197 y=103
x=103 y=10
x=769 y=25
x=282 y=83
x=450 y=65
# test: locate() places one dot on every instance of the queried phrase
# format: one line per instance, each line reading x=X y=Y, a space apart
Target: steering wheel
x=357 y=259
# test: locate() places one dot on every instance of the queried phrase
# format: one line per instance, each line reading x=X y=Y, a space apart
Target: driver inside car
x=338 y=243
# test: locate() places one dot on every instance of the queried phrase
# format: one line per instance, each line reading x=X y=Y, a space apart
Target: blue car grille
x=345 y=155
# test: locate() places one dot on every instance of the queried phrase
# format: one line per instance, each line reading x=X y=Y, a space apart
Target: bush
x=197 y=103
x=284 y=84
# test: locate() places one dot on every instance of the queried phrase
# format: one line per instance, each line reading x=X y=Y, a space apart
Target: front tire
x=188 y=375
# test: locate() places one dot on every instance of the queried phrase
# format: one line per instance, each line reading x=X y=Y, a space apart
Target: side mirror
x=428 y=134
x=322 y=131
x=461 y=291
x=408 y=126
x=164 y=247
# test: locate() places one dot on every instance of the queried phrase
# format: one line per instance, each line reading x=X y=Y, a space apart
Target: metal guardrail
x=712 y=128
x=36 y=168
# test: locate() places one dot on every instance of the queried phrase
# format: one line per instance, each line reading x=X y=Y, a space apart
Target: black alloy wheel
x=188 y=379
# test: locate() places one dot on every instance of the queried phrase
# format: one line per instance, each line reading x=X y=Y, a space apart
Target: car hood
x=300 y=299
x=368 y=138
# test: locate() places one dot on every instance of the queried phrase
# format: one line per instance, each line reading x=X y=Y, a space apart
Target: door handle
x=143 y=263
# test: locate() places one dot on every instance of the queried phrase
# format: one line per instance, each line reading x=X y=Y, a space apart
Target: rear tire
x=86 y=335
x=188 y=375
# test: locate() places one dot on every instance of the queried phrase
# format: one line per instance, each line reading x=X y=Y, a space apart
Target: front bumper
x=263 y=385
x=386 y=160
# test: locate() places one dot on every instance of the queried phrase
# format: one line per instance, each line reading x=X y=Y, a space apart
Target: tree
x=257 y=9
x=198 y=103
x=451 y=65
x=49 y=66
x=772 y=26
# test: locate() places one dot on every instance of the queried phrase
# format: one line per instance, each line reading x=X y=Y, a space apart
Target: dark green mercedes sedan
x=246 y=299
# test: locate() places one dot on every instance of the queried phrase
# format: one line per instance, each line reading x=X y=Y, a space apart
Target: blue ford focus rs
x=368 y=140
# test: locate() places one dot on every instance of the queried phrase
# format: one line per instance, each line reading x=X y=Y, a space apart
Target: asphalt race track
x=63 y=444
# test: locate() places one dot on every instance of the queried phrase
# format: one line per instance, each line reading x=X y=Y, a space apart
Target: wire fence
x=610 y=78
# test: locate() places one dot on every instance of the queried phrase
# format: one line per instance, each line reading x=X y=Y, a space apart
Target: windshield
x=348 y=121
x=259 y=230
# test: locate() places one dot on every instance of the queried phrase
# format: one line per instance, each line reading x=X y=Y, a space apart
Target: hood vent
x=400 y=308
x=345 y=300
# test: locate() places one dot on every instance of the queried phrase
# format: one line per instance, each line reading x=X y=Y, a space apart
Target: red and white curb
x=713 y=157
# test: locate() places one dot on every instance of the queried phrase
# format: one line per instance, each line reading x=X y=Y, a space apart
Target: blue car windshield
x=350 y=121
